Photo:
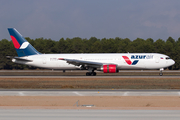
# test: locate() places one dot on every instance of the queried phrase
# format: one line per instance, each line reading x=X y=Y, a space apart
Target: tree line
x=169 y=47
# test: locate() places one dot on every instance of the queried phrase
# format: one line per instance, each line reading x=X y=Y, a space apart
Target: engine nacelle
x=111 y=68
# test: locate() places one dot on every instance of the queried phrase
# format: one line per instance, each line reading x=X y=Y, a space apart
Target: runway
x=56 y=114
x=68 y=92
x=82 y=74
x=90 y=76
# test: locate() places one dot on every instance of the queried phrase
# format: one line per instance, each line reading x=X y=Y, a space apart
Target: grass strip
x=90 y=83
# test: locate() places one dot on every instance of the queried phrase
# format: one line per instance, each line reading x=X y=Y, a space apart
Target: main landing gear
x=161 y=74
x=91 y=72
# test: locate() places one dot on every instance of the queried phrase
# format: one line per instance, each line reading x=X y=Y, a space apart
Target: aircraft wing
x=82 y=62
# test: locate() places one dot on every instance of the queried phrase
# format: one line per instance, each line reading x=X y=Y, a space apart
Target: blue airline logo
x=141 y=56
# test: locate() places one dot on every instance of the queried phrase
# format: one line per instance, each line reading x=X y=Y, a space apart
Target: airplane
x=105 y=62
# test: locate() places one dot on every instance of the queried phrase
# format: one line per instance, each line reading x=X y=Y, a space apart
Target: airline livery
x=106 y=62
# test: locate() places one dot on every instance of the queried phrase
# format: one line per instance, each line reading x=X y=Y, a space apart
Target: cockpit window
x=167 y=58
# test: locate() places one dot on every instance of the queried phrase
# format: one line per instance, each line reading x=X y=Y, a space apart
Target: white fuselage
x=143 y=60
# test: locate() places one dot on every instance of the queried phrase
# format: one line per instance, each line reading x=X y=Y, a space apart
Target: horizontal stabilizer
x=17 y=58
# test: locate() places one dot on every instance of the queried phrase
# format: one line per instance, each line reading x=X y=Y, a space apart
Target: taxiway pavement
x=57 y=114
x=69 y=92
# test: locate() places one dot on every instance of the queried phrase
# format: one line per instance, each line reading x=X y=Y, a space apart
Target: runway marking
x=89 y=93
x=78 y=94
x=21 y=94
x=125 y=94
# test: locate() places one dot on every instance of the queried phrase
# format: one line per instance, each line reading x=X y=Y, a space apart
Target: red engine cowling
x=110 y=68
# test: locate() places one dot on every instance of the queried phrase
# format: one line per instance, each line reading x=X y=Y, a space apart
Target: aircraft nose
x=173 y=62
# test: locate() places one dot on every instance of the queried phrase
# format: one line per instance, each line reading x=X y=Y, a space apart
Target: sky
x=56 y=19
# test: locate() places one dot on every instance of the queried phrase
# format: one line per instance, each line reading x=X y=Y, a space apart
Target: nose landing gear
x=161 y=74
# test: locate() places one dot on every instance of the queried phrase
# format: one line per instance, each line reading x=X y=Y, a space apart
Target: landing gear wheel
x=91 y=74
x=161 y=74
x=88 y=74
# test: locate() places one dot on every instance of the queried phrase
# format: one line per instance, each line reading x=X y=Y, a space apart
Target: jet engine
x=111 y=68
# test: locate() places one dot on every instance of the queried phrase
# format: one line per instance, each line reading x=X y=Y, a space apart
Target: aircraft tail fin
x=22 y=46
